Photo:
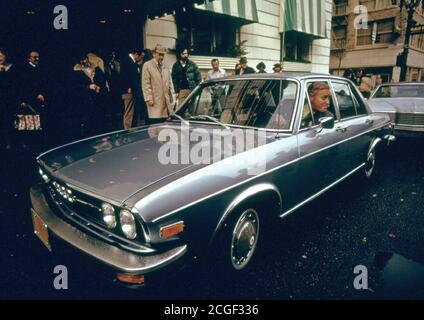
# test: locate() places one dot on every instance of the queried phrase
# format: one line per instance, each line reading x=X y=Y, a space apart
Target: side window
x=345 y=100
x=360 y=106
x=307 y=115
x=318 y=103
x=283 y=114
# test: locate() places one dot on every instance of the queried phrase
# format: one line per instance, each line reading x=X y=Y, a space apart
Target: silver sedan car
x=404 y=103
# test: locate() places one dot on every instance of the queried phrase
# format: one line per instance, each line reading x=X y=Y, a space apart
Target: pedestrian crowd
x=363 y=81
x=134 y=89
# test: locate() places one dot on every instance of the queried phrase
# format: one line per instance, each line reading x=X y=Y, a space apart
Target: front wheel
x=244 y=239
x=236 y=244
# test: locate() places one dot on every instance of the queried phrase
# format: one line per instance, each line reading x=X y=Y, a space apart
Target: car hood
x=402 y=105
x=118 y=165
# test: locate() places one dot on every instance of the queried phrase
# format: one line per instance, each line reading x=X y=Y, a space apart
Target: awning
x=155 y=8
x=305 y=16
x=243 y=9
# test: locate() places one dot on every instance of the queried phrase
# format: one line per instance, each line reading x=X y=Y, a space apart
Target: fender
x=246 y=194
x=373 y=145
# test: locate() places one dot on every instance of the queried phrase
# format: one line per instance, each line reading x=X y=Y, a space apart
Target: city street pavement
x=379 y=225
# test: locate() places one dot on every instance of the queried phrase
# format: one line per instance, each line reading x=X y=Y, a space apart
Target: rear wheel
x=370 y=164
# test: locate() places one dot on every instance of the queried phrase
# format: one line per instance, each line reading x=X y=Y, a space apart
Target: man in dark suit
x=135 y=112
x=243 y=68
x=34 y=82
x=33 y=96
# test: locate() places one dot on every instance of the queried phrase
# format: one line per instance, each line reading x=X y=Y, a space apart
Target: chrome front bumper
x=118 y=259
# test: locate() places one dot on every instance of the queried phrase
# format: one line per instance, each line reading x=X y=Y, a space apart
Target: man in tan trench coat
x=156 y=84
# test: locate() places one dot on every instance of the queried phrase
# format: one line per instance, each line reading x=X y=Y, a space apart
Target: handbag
x=28 y=122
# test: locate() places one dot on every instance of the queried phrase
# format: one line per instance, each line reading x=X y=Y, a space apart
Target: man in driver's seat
x=319 y=95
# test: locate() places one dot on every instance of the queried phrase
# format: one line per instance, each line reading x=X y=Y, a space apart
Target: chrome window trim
x=167 y=215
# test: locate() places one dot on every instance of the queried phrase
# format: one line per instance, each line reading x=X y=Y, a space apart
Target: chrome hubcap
x=370 y=164
x=244 y=239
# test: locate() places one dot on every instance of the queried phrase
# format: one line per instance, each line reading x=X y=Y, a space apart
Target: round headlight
x=43 y=175
x=109 y=215
x=128 y=225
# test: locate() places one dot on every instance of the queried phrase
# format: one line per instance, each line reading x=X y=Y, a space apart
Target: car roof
x=403 y=83
x=282 y=75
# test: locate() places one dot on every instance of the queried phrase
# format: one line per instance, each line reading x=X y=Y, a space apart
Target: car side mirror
x=326 y=123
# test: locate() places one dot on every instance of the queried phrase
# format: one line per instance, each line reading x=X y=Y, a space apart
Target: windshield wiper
x=213 y=119
x=180 y=118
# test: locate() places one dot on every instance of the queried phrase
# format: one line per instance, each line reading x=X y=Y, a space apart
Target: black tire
x=237 y=242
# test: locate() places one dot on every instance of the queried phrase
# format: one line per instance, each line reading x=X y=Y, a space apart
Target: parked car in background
x=404 y=103
x=112 y=197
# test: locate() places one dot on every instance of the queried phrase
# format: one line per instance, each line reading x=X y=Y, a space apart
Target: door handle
x=369 y=121
x=341 y=129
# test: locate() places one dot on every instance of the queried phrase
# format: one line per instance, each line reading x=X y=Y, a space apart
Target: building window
x=207 y=33
x=378 y=32
x=340 y=7
x=364 y=36
x=417 y=41
x=339 y=37
x=377 y=4
x=385 y=30
x=297 y=47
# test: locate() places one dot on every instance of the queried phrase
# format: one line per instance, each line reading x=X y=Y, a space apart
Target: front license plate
x=41 y=230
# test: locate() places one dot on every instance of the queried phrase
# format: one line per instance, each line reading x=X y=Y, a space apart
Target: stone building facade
x=260 y=32
x=375 y=48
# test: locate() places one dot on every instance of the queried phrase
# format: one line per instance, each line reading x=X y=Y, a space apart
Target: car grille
x=87 y=207
x=412 y=119
x=86 y=211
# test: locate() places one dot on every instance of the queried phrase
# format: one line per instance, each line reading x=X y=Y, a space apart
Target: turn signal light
x=130 y=278
x=171 y=230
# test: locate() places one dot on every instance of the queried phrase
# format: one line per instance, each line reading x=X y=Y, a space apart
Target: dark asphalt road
x=378 y=225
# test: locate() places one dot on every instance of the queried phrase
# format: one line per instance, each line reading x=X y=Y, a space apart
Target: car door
x=319 y=149
x=354 y=122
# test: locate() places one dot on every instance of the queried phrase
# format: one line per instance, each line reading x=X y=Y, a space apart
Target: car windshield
x=400 y=91
x=264 y=103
